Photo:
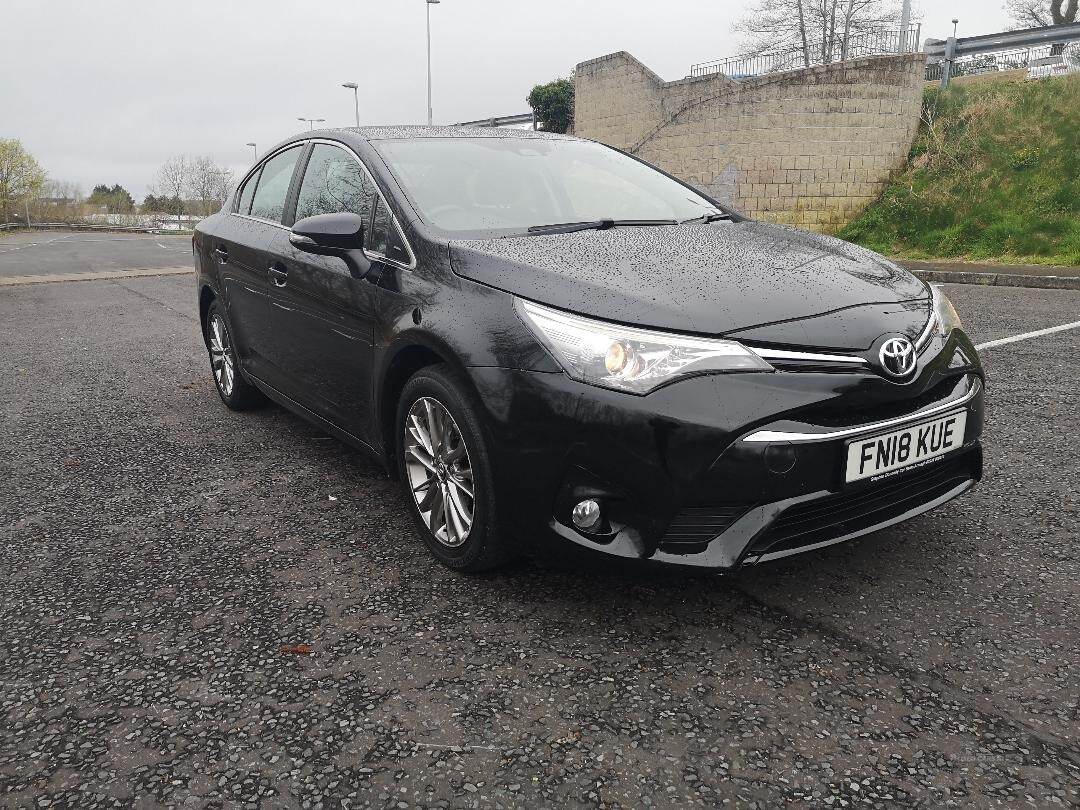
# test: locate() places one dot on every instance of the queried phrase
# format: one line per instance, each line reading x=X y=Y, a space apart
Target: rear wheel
x=235 y=391
x=444 y=464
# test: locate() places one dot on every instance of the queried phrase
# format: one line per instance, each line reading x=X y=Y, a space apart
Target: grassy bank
x=993 y=174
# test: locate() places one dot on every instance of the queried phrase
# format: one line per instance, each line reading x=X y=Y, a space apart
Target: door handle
x=278 y=274
x=222 y=253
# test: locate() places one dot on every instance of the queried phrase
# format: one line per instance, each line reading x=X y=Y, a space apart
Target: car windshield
x=481 y=185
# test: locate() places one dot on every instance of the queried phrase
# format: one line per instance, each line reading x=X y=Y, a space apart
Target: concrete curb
x=999 y=279
x=98 y=275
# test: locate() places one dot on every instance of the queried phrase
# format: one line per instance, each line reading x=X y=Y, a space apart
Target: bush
x=993 y=173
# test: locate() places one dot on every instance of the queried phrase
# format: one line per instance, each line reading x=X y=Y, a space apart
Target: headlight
x=945 y=316
x=628 y=359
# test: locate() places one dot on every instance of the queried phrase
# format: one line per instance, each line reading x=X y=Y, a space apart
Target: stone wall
x=808 y=147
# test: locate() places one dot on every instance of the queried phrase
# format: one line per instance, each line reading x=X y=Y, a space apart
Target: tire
x=432 y=395
x=235 y=391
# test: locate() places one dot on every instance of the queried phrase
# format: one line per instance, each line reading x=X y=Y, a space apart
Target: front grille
x=838 y=414
x=838 y=515
x=693 y=528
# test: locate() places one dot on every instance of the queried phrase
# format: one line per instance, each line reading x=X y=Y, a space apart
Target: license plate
x=904 y=448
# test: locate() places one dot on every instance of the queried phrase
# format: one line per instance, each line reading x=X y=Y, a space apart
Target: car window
x=395 y=248
x=244 y=206
x=269 y=199
x=380 y=229
x=334 y=182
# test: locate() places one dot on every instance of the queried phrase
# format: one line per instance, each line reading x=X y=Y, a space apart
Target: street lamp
x=311 y=121
x=254 y=149
x=428 y=5
x=905 y=24
x=356 y=99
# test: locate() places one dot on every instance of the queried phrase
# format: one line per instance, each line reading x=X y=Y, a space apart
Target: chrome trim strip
x=873 y=427
x=258 y=219
x=918 y=510
x=926 y=334
x=783 y=354
x=931 y=323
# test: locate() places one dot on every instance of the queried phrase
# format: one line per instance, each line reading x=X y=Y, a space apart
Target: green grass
x=993 y=175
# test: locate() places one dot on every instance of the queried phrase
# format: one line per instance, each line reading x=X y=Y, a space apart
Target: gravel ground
x=210 y=609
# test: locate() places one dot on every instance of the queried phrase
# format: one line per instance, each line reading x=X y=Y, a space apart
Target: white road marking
x=69 y=239
x=30 y=244
x=990 y=344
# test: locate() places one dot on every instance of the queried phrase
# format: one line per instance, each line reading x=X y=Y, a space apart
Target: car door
x=321 y=312
x=243 y=247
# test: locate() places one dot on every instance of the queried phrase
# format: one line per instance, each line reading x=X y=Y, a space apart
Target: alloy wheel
x=221 y=358
x=440 y=472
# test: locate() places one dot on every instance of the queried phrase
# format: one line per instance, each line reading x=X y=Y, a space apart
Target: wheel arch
x=406 y=357
x=206 y=298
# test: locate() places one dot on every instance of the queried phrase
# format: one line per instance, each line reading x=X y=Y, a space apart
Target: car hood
x=767 y=283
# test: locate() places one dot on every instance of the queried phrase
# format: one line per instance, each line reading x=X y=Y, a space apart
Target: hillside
x=994 y=173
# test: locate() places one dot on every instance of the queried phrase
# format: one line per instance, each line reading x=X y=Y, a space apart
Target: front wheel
x=444 y=464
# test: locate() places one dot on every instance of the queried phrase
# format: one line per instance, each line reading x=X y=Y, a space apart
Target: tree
x=174 y=181
x=209 y=184
x=189 y=185
x=815 y=31
x=21 y=177
x=1040 y=13
x=63 y=190
x=116 y=199
x=553 y=104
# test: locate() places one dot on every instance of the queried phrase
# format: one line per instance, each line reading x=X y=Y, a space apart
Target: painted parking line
x=990 y=344
x=26 y=245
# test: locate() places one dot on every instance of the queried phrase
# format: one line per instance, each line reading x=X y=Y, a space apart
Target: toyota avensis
x=552 y=343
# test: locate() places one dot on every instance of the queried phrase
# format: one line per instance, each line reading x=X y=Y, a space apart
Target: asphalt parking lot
x=34 y=253
x=208 y=608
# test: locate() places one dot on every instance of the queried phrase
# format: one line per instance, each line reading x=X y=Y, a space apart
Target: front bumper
x=720 y=471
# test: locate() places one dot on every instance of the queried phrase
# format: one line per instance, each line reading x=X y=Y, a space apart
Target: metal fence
x=1038 y=62
x=867 y=43
x=1042 y=51
x=502 y=121
x=82 y=226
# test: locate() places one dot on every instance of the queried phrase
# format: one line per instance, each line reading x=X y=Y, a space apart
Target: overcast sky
x=105 y=91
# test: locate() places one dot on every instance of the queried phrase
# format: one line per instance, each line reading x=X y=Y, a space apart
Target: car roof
x=378 y=133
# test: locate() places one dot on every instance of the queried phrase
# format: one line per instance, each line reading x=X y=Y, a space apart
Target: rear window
x=246 y=193
x=269 y=199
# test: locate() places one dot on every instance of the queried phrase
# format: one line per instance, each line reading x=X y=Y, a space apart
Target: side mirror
x=328 y=234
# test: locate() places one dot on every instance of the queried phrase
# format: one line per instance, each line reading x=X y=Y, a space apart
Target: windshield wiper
x=712 y=216
x=598 y=225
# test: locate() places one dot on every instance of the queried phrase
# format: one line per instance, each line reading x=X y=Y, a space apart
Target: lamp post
x=428 y=5
x=905 y=24
x=311 y=121
x=356 y=99
x=254 y=149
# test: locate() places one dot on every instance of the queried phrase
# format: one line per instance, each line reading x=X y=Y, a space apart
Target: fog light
x=586 y=514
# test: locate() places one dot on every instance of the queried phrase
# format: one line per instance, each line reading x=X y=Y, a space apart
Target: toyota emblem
x=897 y=357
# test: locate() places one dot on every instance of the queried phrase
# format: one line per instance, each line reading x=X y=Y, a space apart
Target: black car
x=551 y=342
